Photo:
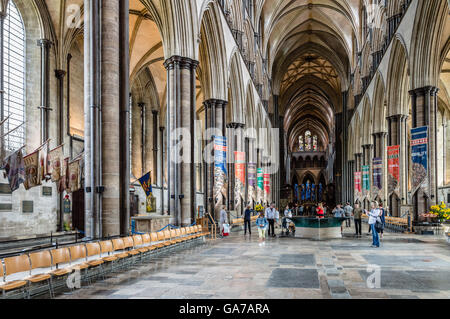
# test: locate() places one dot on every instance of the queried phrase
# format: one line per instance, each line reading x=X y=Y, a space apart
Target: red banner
x=358 y=188
x=393 y=153
x=240 y=166
x=267 y=183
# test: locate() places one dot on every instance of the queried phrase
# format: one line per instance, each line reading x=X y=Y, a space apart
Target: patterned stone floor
x=405 y=267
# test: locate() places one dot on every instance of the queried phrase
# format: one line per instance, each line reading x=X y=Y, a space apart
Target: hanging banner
x=239 y=188
x=14 y=167
x=43 y=163
x=358 y=189
x=251 y=183
x=419 y=156
x=377 y=175
x=220 y=170
x=146 y=184
x=54 y=163
x=393 y=169
x=267 y=188
x=366 y=179
x=260 y=190
x=64 y=181
x=32 y=178
x=74 y=176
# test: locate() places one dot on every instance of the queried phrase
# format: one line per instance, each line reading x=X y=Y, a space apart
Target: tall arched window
x=14 y=77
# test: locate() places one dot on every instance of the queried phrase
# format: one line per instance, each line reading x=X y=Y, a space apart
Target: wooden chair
x=41 y=262
x=93 y=254
x=78 y=262
x=61 y=261
x=16 y=286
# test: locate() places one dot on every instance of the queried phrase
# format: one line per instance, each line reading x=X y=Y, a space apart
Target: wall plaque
x=27 y=207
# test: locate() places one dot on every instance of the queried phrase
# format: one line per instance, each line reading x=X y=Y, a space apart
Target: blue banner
x=220 y=153
x=419 y=156
x=146 y=183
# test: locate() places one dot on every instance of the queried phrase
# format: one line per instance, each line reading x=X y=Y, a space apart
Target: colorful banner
x=260 y=188
x=366 y=179
x=419 y=155
x=393 y=169
x=358 y=189
x=14 y=167
x=377 y=175
x=239 y=188
x=220 y=170
x=146 y=183
x=267 y=188
x=74 y=176
x=54 y=163
x=32 y=178
x=251 y=183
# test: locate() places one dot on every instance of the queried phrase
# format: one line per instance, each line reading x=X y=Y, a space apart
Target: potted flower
x=441 y=213
x=259 y=208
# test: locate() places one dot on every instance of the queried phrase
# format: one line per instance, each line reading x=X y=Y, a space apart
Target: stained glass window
x=14 y=78
x=315 y=143
x=301 y=144
x=308 y=140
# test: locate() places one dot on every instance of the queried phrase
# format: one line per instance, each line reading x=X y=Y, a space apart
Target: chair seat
x=80 y=266
x=13 y=285
x=122 y=255
x=134 y=252
x=60 y=272
x=38 y=278
x=94 y=263
x=110 y=258
x=143 y=249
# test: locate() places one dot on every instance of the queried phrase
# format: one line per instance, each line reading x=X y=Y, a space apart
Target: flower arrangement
x=440 y=212
x=259 y=208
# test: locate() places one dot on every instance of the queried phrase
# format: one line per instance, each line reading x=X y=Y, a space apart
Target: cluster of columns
x=107 y=165
x=424 y=113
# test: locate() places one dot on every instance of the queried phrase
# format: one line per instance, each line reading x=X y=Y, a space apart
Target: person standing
x=338 y=212
x=348 y=209
x=223 y=219
x=320 y=212
x=261 y=223
x=247 y=220
x=383 y=218
x=300 y=210
x=357 y=213
x=374 y=214
x=270 y=216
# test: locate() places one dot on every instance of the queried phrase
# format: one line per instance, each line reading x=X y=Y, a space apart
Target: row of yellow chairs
x=30 y=274
x=240 y=221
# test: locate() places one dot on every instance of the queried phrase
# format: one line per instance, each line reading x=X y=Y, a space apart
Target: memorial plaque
x=27 y=207
x=5 y=189
x=46 y=191
x=5 y=207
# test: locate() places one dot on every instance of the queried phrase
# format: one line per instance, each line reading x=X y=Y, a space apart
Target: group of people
x=268 y=218
x=377 y=217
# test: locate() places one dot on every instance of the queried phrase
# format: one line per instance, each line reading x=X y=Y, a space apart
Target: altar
x=148 y=223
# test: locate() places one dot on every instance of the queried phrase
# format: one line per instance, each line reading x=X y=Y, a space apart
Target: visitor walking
x=348 y=209
x=357 y=214
x=270 y=216
x=247 y=220
x=262 y=223
x=374 y=215
x=223 y=219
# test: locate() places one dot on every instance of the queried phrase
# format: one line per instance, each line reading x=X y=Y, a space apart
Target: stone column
x=155 y=148
x=45 y=45
x=424 y=113
x=111 y=119
x=181 y=115
x=2 y=81
x=161 y=172
x=60 y=74
x=140 y=134
x=345 y=173
x=404 y=146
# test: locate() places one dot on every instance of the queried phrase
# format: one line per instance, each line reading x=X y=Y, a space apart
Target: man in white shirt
x=348 y=213
x=374 y=214
x=270 y=216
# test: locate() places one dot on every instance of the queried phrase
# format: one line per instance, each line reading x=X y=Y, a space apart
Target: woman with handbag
x=374 y=218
